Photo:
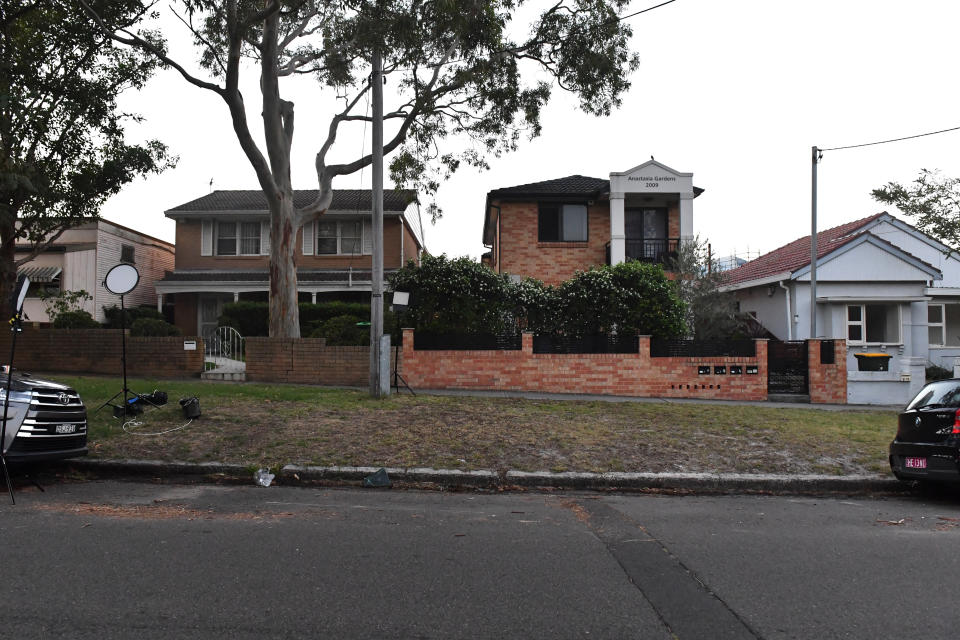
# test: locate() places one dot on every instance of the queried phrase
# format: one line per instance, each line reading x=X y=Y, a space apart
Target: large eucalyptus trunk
x=284 y=312
x=8 y=265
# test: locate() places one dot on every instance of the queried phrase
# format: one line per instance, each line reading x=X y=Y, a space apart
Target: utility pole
x=815 y=157
x=377 y=380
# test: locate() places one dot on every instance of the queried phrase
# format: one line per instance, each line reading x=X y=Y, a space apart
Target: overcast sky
x=736 y=92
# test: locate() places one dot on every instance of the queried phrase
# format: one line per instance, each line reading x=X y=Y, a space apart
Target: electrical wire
x=138 y=423
x=870 y=144
x=604 y=23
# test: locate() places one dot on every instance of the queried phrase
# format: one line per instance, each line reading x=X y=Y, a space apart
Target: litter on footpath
x=263 y=477
x=378 y=479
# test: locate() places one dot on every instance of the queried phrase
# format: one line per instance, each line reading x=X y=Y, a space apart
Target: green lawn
x=259 y=424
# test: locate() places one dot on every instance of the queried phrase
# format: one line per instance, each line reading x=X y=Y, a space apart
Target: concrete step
x=800 y=398
x=218 y=374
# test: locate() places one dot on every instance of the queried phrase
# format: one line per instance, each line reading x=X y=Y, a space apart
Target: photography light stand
x=401 y=300
x=19 y=293
x=121 y=280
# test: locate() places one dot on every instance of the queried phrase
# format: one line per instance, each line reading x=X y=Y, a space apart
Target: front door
x=209 y=310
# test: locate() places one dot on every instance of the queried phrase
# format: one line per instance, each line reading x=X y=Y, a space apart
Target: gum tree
x=62 y=147
x=932 y=200
x=454 y=68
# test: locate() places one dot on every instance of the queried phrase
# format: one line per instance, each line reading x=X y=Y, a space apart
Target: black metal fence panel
x=587 y=344
x=787 y=367
x=702 y=348
x=425 y=341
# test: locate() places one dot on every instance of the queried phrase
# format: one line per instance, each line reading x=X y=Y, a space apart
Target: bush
x=113 y=318
x=455 y=296
x=343 y=331
x=75 y=320
x=248 y=318
x=153 y=327
x=938 y=373
x=253 y=318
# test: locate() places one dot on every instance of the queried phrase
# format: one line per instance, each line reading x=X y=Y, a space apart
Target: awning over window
x=40 y=274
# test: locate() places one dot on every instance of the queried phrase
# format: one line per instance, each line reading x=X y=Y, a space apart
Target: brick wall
x=99 y=351
x=553 y=262
x=606 y=374
x=827 y=382
x=308 y=361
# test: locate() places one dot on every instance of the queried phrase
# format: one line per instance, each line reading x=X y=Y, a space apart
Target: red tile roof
x=796 y=255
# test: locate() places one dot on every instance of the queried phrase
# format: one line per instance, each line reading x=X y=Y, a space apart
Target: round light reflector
x=122 y=279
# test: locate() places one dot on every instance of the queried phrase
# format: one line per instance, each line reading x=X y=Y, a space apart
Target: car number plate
x=915 y=463
x=72 y=428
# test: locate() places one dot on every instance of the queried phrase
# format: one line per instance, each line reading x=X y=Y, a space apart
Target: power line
x=870 y=144
x=575 y=30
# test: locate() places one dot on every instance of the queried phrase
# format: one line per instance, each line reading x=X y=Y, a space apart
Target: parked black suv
x=45 y=420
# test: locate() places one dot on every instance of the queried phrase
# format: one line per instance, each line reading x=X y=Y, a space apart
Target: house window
x=126 y=253
x=562 y=222
x=339 y=237
x=228 y=240
x=873 y=323
x=936 y=325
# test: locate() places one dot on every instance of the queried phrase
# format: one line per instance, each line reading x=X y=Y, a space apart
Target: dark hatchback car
x=927 y=446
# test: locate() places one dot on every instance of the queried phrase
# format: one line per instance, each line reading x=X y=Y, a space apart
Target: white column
x=236 y=296
x=160 y=302
x=686 y=216
x=313 y=297
x=618 y=243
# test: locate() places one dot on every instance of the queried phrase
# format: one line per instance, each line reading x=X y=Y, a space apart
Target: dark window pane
x=853 y=312
x=226 y=238
x=326 y=237
x=549 y=223
x=854 y=333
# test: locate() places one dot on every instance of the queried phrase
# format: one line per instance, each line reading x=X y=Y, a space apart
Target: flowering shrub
x=462 y=296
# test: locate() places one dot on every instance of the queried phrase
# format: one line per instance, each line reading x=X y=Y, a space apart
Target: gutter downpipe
x=789 y=315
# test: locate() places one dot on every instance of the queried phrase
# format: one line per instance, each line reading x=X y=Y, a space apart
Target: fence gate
x=787 y=367
x=224 y=348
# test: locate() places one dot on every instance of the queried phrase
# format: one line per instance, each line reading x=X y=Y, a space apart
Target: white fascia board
x=942 y=291
x=196 y=215
x=649 y=163
x=873 y=298
x=748 y=284
x=893 y=250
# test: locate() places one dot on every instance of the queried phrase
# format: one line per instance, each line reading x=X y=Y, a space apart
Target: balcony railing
x=655 y=250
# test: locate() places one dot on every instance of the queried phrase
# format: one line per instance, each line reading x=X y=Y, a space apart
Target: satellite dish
x=122 y=279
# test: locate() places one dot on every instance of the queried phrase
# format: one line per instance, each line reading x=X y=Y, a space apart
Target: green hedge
x=132 y=313
x=253 y=319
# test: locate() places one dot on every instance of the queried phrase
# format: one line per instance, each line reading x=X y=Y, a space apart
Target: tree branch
x=134 y=40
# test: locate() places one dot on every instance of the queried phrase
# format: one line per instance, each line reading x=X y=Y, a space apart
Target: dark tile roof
x=571 y=185
x=796 y=255
x=254 y=200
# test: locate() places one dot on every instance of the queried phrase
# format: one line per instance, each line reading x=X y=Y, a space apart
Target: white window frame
x=862 y=323
x=237 y=237
x=942 y=324
x=340 y=238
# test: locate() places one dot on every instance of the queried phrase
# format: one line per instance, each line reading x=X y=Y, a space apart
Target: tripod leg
x=6 y=475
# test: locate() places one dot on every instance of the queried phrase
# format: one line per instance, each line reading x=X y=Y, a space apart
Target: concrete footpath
x=455 y=479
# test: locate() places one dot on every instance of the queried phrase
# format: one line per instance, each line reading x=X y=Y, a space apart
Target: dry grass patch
x=270 y=425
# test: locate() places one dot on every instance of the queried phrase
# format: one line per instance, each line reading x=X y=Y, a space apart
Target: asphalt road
x=125 y=560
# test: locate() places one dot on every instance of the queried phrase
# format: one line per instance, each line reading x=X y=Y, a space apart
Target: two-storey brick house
x=223 y=248
x=549 y=230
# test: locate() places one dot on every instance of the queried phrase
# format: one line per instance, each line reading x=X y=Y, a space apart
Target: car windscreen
x=937 y=394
